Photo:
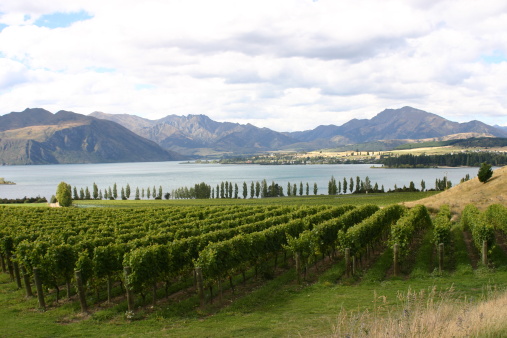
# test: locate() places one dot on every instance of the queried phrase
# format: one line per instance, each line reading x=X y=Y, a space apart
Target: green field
x=269 y=302
x=355 y=199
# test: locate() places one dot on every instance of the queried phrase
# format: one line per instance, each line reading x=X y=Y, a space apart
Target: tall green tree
x=307 y=189
x=331 y=186
x=245 y=190
x=252 y=190
x=87 y=194
x=315 y=189
x=137 y=194
x=264 y=192
x=63 y=194
x=115 y=191
x=485 y=172
x=289 y=189
x=95 y=191
x=344 y=185
x=127 y=191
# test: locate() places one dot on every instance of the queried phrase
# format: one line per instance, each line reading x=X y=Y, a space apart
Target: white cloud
x=286 y=64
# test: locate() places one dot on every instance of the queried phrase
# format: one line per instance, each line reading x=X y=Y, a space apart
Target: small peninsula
x=3 y=181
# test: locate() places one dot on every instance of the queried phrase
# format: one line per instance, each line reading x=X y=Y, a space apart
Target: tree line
x=258 y=189
x=469 y=159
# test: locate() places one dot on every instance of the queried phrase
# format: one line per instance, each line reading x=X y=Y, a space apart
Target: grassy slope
x=473 y=191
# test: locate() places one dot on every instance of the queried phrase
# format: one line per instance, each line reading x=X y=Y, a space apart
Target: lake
x=42 y=180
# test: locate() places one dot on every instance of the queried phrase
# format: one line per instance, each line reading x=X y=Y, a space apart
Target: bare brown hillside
x=481 y=194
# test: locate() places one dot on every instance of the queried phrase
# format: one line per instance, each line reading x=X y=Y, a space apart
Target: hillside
x=480 y=194
x=36 y=136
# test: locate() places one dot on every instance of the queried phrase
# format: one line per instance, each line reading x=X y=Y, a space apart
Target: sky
x=287 y=64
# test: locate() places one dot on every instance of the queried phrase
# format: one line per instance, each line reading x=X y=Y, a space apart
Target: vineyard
x=140 y=257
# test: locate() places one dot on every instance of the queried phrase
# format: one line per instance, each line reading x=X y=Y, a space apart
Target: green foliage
x=442 y=226
x=148 y=265
x=60 y=261
x=370 y=230
x=107 y=260
x=477 y=223
x=496 y=214
x=63 y=194
x=85 y=265
x=405 y=228
x=485 y=172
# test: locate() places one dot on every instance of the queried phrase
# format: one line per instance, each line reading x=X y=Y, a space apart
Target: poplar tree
x=245 y=190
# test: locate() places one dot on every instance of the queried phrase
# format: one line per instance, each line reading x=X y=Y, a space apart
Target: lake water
x=42 y=180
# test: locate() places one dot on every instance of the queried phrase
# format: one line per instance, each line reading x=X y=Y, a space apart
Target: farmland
x=276 y=267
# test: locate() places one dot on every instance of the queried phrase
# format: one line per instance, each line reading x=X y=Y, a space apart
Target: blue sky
x=61 y=20
x=288 y=65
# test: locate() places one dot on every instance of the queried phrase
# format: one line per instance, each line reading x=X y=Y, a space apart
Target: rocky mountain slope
x=36 y=136
x=199 y=135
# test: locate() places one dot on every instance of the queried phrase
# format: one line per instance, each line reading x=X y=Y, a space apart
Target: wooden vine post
x=485 y=253
x=440 y=257
x=26 y=279
x=200 y=285
x=298 y=267
x=38 y=285
x=80 y=291
x=17 y=274
x=396 y=257
x=347 y=262
x=130 y=295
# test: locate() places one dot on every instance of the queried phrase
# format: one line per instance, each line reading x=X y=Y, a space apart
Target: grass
x=278 y=307
x=355 y=199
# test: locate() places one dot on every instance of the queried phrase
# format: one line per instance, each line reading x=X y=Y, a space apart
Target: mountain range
x=36 y=136
x=198 y=135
